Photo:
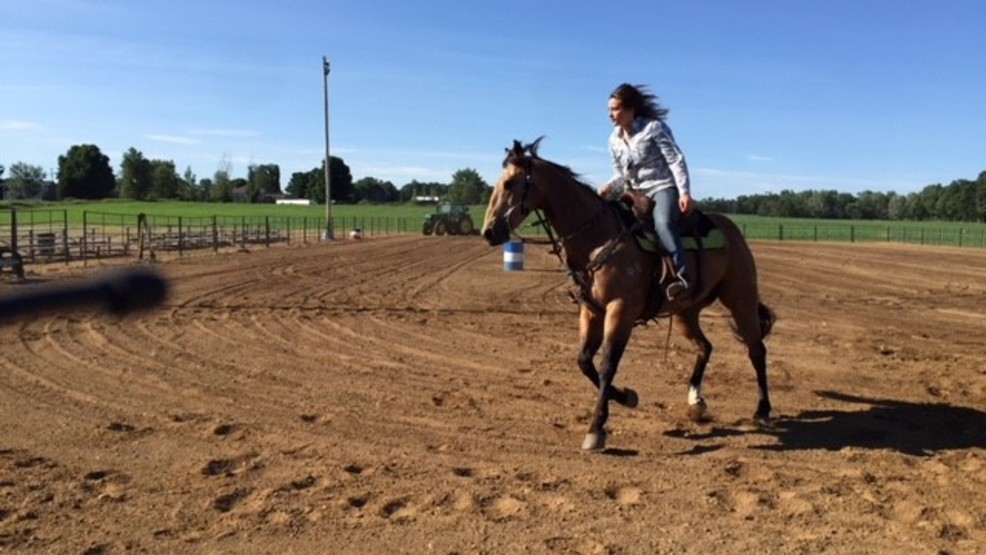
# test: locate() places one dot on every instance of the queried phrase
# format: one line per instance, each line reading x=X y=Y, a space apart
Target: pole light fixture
x=327 y=236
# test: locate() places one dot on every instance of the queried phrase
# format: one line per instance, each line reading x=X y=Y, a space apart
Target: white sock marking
x=694 y=395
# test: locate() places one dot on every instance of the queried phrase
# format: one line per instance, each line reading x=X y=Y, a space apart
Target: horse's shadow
x=910 y=428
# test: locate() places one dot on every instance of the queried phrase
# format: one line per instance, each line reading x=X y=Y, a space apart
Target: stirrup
x=676 y=288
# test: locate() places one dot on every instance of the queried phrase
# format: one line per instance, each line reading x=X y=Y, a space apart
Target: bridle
x=581 y=277
x=521 y=204
x=558 y=243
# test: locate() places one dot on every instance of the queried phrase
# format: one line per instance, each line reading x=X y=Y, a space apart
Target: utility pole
x=327 y=236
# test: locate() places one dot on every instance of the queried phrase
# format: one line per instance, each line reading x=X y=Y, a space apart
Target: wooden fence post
x=85 y=233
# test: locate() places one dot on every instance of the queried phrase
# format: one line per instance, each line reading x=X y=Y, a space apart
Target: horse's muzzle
x=498 y=233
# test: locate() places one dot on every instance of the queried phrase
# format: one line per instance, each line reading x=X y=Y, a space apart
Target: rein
x=581 y=278
x=557 y=244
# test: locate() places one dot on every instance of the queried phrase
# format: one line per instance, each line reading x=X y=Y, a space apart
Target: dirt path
x=406 y=395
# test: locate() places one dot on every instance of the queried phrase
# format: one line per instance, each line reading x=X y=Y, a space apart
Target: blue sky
x=764 y=95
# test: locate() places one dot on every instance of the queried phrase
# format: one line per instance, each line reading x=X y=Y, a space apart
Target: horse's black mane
x=520 y=154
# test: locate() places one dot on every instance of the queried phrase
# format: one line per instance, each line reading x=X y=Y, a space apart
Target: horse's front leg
x=687 y=324
x=591 y=338
x=615 y=335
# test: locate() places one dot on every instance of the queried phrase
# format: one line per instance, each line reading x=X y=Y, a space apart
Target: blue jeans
x=666 y=217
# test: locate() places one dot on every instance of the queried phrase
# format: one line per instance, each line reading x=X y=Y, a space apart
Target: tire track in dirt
x=63 y=360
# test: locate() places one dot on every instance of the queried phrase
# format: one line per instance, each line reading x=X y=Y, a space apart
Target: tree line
x=961 y=200
x=84 y=172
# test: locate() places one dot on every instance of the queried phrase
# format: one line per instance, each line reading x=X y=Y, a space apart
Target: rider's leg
x=666 y=218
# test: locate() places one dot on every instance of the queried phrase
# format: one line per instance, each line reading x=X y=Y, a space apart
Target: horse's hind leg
x=753 y=322
x=687 y=324
x=591 y=332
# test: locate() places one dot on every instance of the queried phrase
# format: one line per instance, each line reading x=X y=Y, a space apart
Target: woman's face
x=620 y=116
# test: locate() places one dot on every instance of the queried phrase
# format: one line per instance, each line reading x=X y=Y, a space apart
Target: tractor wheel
x=465 y=225
x=426 y=229
x=441 y=227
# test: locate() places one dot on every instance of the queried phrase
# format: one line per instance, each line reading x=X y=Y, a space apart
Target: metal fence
x=41 y=236
x=912 y=233
x=38 y=236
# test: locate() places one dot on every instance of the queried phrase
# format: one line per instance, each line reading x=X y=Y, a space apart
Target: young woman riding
x=648 y=161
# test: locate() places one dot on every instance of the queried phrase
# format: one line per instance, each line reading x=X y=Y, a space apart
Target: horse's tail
x=767 y=318
x=742 y=254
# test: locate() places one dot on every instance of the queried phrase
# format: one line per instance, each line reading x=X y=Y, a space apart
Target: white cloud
x=399 y=175
x=729 y=183
x=758 y=158
x=173 y=139
x=452 y=155
x=240 y=159
x=399 y=165
x=226 y=132
x=13 y=125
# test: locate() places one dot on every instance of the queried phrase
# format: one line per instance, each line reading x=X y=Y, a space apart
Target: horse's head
x=515 y=194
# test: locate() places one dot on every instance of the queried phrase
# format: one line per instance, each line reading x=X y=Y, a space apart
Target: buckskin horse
x=614 y=279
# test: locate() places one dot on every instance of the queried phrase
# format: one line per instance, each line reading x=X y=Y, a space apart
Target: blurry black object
x=118 y=293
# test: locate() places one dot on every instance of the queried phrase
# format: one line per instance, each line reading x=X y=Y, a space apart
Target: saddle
x=697 y=231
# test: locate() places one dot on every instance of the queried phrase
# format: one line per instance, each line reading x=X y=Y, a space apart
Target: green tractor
x=449 y=218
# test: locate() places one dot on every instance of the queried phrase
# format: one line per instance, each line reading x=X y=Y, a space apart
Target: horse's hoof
x=594 y=441
x=762 y=415
x=632 y=400
x=699 y=411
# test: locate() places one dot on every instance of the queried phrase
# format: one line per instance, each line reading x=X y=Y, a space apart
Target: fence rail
x=915 y=233
x=868 y=233
x=39 y=236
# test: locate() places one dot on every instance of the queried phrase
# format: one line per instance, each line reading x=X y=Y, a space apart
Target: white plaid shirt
x=650 y=162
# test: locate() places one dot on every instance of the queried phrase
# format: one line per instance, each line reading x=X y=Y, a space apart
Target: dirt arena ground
x=407 y=395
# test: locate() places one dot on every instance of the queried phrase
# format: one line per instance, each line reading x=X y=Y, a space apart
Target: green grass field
x=375 y=218
x=74 y=210
x=964 y=234
x=407 y=218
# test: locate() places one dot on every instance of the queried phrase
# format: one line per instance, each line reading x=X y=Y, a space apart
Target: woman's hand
x=686 y=203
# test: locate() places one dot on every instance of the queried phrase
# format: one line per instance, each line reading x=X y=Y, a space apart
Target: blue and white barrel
x=513 y=256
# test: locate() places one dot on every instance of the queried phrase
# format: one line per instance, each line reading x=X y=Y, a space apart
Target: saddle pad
x=695 y=227
x=714 y=240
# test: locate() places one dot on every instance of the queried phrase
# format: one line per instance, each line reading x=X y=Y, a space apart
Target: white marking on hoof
x=695 y=395
x=594 y=441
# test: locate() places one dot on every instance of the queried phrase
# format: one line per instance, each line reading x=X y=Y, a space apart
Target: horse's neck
x=581 y=219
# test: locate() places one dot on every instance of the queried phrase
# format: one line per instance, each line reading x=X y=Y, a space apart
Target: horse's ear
x=533 y=147
x=513 y=153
